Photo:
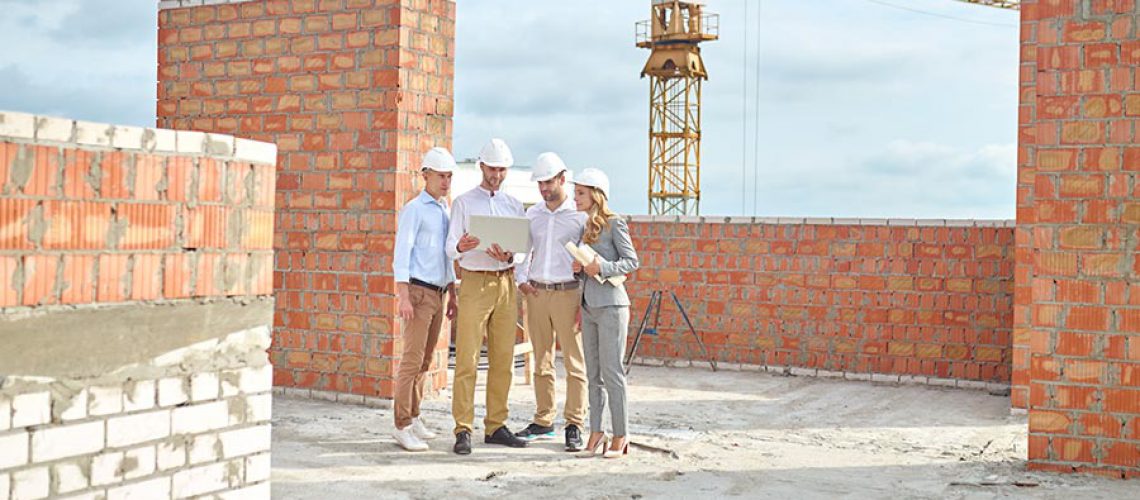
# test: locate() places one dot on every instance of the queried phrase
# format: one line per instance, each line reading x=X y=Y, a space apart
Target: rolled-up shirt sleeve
x=521 y=259
x=456 y=228
x=522 y=269
x=406 y=228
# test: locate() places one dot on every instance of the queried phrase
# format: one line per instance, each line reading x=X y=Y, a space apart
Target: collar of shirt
x=567 y=205
x=498 y=203
x=427 y=199
x=490 y=194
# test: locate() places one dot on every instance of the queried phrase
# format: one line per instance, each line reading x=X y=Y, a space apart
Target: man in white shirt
x=553 y=297
x=487 y=305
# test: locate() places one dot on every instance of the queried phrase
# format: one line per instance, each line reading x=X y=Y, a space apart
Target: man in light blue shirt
x=424 y=274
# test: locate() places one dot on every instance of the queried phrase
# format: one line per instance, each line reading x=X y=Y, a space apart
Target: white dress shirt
x=548 y=261
x=479 y=201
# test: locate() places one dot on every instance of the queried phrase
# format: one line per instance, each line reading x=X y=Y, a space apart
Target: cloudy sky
x=867 y=108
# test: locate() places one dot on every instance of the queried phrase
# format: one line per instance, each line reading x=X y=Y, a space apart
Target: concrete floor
x=731 y=434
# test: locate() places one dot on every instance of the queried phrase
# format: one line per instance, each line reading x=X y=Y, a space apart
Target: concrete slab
x=742 y=434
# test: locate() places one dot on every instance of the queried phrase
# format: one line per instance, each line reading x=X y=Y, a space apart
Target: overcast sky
x=866 y=110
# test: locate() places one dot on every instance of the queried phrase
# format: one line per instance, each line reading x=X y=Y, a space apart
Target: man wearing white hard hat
x=487 y=305
x=424 y=274
x=553 y=295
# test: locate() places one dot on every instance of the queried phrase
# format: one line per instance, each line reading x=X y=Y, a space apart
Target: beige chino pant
x=551 y=315
x=487 y=310
x=421 y=334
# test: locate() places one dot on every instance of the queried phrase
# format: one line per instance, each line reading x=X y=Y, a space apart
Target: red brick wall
x=1084 y=342
x=92 y=213
x=353 y=92
x=1023 y=233
x=905 y=298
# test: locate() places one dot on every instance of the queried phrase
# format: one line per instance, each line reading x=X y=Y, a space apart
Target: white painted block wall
x=174 y=437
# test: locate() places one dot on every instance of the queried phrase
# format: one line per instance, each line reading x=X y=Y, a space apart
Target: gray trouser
x=604 y=331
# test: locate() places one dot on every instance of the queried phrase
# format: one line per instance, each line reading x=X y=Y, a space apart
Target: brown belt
x=568 y=285
x=503 y=272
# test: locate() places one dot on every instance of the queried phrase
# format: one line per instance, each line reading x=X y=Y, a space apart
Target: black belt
x=427 y=285
x=568 y=285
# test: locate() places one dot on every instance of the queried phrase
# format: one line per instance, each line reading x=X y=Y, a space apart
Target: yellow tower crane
x=675 y=69
x=673 y=34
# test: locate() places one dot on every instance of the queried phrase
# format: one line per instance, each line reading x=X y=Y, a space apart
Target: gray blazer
x=618 y=257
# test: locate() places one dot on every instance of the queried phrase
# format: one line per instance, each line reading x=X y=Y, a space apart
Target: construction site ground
x=733 y=433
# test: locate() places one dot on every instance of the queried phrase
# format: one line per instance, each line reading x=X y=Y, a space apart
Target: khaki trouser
x=420 y=336
x=552 y=314
x=487 y=310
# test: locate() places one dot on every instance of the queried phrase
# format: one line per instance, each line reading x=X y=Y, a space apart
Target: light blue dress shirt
x=421 y=234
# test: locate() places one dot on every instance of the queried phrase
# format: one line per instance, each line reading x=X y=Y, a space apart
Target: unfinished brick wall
x=925 y=300
x=1026 y=212
x=353 y=92
x=135 y=311
x=1083 y=339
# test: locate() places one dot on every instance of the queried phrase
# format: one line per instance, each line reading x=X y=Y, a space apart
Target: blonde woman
x=605 y=310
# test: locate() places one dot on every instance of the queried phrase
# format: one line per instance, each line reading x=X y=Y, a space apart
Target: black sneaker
x=573 y=438
x=503 y=436
x=534 y=431
x=462 y=443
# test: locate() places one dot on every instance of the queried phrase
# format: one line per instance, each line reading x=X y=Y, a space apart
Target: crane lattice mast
x=675 y=69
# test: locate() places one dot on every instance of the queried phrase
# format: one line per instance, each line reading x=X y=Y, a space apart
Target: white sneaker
x=421 y=431
x=408 y=440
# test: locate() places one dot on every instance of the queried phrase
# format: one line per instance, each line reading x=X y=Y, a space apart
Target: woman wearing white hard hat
x=605 y=310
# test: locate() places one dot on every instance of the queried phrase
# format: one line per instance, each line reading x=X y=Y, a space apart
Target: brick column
x=1084 y=345
x=1023 y=233
x=353 y=92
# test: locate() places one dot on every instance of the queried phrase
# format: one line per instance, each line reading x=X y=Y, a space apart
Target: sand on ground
x=729 y=434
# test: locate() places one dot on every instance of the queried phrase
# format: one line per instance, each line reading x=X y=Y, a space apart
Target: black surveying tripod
x=655 y=308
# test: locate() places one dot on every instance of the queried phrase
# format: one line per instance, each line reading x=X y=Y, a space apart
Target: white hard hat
x=594 y=178
x=438 y=159
x=496 y=154
x=546 y=167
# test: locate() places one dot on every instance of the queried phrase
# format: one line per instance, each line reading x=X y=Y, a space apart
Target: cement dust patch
x=725 y=434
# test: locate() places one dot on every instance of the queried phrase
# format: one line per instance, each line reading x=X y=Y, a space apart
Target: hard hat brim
x=604 y=193
x=492 y=164
x=535 y=178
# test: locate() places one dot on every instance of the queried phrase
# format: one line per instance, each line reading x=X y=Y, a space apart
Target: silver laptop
x=511 y=233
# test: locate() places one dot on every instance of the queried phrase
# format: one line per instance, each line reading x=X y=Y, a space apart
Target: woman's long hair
x=597 y=217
